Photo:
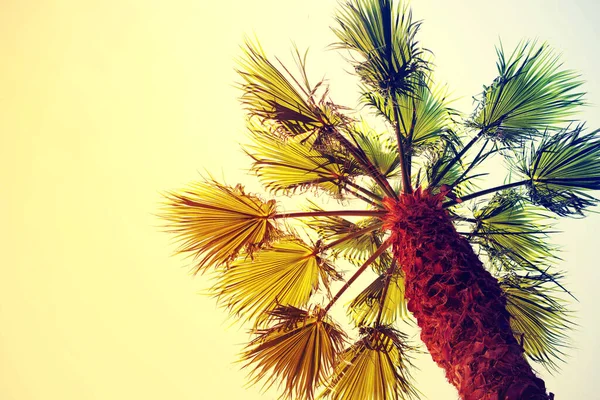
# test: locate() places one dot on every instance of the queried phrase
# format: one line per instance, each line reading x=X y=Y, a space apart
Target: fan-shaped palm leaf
x=384 y=39
x=382 y=153
x=530 y=94
x=538 y=318
x=294 y=163
x=373 y=368
x=269 y=94
x=214 y=222
x=424 y=115
x=288 y=273
x=507 y=227
x=365 y=308
x=298 y=351
x=562 y=168
x=437 y=158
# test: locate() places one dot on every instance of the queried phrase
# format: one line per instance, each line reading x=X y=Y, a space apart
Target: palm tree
x=472 y=266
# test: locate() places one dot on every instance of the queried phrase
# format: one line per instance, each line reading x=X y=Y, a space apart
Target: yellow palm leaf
x=215 y=222
x=288 y=273
x=374 y=368
x=367 y=305
x=294 y=163
x=298 y=351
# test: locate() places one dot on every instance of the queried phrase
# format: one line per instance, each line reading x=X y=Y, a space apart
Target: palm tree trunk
x=458 y=304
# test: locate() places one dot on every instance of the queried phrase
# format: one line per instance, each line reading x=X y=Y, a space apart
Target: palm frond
x=297 y=352
x=380 y=151
x=214 y=222
x=539 y=319
x=437 y=158
x=389 y=56
x=530 y=94
x=288 y=164
x=365 y=308
x=508 y=227
x=376 y=367
x=287 y=274
x=425 y=117
x=274 y=95
x=562 y=168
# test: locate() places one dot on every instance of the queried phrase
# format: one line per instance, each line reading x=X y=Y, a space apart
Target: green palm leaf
x=373 y=368
x=530 y=94
x=384 y=39
x=538 y=317
x=214 y=222
x=287 y=274
x=381 y=151
x=288 y=164
x=424 y=115
x=298 y=351
x=512 y=232
x=365 y=308
x=562 y=169
x=271 y=95
x=436 y=159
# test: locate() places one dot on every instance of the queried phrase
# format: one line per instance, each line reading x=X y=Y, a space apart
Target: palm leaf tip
x=376 y=367
x=512 y=232
x=539 y=318
x=287 y=273
x=214 y=222
x=530 y=94
x=298 y=350
x=389 y=56
x=273 y=93
x=562 y=169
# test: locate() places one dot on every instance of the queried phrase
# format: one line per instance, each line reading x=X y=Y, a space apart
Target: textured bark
x=458 y=304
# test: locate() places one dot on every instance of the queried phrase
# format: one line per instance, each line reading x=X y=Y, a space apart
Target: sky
x=105 y=104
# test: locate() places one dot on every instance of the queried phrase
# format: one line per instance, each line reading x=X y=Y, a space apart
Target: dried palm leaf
x=214 y=222
x=297 y=352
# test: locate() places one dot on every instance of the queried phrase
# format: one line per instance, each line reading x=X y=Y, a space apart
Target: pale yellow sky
x=106 y=103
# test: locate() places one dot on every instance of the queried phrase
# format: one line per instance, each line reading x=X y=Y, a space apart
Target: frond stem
x=388 y=278
x=364 y=190
x=358 y=272
x=406 y=187
x=339 y=213
x=456 y=158
x=351 y=235
x=361 y=197
x=486 y=191
x=366 y=165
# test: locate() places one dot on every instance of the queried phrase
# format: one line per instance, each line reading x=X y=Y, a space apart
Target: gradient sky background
x=107 y=103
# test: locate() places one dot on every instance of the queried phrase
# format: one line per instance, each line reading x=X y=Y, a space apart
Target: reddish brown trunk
x=458 y=304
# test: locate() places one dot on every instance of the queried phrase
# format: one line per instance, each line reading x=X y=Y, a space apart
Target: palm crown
x=281 y=278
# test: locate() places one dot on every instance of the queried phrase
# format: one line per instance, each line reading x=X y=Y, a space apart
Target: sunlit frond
x=334 y=228
x=539 y=318
x=563 y=168
x=383 y=36
x=530 y=94
x=436 y=160
x=214 y=222
x=376 y=367
x=367 y=305
x=274 y=95
x=287 y=273
x=425 y=117
x=508 y=227
x=298 y=351
x=294 y=163
x=382 y=152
